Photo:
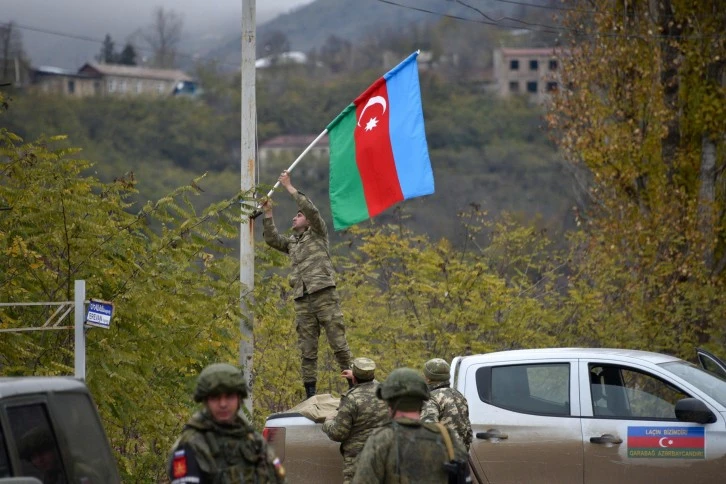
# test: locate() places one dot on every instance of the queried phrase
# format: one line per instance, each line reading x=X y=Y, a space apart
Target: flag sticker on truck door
x=667 y=442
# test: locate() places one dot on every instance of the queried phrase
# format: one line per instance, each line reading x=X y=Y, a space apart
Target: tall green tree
x=643 y=109
x=163 y=265
x=108 y=54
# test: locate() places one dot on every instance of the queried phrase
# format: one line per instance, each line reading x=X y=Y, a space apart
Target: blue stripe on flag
x=406 y=129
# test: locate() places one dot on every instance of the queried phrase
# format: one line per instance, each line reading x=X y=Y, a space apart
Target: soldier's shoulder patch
x=179 y=466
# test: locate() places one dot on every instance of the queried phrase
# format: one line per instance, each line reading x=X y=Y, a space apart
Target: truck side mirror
x=694 y=410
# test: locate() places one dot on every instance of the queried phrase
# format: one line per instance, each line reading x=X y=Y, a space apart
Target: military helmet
x=363 y=368
x=220 y=378
x=437 y=369
x=403 y=383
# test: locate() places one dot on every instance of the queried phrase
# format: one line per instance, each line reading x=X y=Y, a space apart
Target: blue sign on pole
x=99 y=313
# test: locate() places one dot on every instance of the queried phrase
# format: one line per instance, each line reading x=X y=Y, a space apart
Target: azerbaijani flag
x=378 y=151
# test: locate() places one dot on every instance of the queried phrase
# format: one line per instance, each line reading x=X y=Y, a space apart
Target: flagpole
x=294 y=163
x=257 y=212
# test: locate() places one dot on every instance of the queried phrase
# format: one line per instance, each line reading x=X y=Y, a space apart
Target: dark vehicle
x=50 y=431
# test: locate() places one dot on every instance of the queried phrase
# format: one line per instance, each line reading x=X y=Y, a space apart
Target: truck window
x=541 y=389
x=622 y=392
x=91 y=454
x=4 y=460
x=36 y=442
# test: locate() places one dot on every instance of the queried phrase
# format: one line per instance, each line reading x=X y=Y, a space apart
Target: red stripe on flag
x=373 y=152
x=666 y=442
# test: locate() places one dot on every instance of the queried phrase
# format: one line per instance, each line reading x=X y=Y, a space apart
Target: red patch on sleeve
x=179 y=465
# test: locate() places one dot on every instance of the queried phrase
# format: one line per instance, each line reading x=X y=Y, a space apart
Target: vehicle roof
x=11 y=386
x=649 y=356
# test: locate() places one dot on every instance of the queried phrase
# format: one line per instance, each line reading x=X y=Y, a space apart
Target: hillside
x=310 y=26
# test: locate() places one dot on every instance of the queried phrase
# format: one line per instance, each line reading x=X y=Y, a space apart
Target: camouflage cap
x=437 y=369
x=220 y=378
x=363 y=368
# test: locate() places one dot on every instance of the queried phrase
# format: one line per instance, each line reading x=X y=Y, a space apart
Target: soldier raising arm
x=313 y=284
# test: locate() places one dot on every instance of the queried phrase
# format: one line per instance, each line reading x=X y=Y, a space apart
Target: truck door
x=525 y=420
x=631 y=433
x=710 y=362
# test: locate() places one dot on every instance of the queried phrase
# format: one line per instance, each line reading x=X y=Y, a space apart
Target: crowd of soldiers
x=409 y=428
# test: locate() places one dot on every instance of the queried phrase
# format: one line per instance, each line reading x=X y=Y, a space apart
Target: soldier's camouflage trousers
x=348 y=468
x=313 y=311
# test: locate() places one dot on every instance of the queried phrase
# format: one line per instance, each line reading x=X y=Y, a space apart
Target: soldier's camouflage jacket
x=448 y=406
x=208 y=453
x=359 y=412
x=312 y=269
x=406 y=451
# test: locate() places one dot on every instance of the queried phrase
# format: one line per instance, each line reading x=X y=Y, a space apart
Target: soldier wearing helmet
x=446 y=405
x=406 y=449
x=359 y=412
x=217 y=444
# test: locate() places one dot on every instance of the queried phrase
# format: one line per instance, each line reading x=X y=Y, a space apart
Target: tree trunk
x=663 y=16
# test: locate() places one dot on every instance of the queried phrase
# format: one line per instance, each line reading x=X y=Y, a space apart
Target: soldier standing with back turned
x=360 y=412
x=446 y=405
x=407 y=450
x=313 y=285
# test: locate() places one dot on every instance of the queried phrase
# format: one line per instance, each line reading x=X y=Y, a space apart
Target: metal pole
x=247 y=174
x=79 y=298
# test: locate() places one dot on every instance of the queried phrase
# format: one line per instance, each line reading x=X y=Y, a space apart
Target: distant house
x=534 y=72
x=286 y=58
x=290 y=146
x=95 y=79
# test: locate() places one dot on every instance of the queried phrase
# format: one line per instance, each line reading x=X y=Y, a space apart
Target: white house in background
x=292 y=57
x=531 y=71
x=95 y=79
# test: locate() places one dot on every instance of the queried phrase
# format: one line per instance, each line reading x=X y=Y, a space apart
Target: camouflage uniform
x=208 y=452
x=446 y=405
x=221 y=453
x=359 y=413
x=406 y=451
x=313 y=288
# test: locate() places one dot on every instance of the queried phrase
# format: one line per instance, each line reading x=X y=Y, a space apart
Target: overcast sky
x=120 y=18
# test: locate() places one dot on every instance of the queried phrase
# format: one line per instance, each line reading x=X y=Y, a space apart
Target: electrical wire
x=580 y=32
x=549 y=7
x=99 y=41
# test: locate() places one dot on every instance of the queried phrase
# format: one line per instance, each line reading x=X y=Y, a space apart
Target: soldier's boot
x=309 y=389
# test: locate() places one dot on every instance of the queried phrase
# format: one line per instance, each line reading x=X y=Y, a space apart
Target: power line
x=580 y=32
x=549 y=7
x=456 y=17
x=460 y=2
x=99 y=41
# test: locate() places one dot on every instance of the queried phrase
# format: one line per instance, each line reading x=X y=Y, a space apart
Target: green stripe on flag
x=347 y=199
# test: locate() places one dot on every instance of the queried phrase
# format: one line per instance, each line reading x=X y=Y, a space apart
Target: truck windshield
x=707 y=382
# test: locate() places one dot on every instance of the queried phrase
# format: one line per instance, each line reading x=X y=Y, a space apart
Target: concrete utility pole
x=247 y=180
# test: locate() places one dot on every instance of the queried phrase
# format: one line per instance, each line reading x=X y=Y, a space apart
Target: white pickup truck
x=565 y=415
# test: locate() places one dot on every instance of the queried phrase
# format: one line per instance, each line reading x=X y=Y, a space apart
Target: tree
x=163 y=265
x=108 y=54
x=643 y=109
x=163 y=36
x=127 y=56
